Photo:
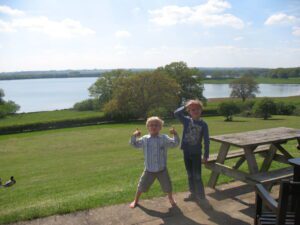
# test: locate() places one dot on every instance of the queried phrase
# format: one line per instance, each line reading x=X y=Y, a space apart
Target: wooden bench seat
x=238 y=153
x=272 y=176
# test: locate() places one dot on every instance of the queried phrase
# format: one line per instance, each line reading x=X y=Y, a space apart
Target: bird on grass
x=0 y=182
x=10 y=182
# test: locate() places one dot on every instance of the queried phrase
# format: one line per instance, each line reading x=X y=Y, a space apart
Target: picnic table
x=266 y=142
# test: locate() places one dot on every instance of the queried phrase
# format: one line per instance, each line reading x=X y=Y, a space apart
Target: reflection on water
x=50 y=94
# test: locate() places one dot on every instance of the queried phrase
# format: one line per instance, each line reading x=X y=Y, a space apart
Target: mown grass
x=260 y=80
x=65 y=170
x=47 y=116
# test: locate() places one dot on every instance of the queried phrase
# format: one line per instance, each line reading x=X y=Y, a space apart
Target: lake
x=50 y=94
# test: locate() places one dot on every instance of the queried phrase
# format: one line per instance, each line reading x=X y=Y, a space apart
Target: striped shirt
x=155 y=149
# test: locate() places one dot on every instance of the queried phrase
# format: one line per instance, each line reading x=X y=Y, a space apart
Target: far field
x=65 y=170
x=260 y=80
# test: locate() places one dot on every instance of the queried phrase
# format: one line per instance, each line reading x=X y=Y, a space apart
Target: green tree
x=139 y=95
x=102 y=89
x=1 y=95
x=8 y=108
x=264 y=108
x=244 y=87
x=189 y=79
x=228 y=109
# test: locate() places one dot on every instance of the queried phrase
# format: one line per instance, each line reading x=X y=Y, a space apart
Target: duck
x=10 y=182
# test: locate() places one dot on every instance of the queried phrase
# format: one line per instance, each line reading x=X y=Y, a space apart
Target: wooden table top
x=258 y=137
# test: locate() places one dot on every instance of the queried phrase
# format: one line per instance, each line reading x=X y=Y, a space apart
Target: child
x=155 y=147
x=194 y=131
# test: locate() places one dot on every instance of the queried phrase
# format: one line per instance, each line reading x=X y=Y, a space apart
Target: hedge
x=53 y=125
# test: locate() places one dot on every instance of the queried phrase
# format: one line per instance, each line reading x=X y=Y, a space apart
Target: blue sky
x=73 y=34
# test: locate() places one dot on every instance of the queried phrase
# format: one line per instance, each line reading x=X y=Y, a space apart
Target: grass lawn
x=260 y=80
x=47 y=116
x=65 y=170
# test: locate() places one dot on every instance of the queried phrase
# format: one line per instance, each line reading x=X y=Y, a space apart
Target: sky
x=109 y=34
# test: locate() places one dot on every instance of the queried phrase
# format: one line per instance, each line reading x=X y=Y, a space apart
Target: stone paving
x=228 y=204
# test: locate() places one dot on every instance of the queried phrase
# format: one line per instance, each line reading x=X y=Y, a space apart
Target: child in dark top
x=194 y=131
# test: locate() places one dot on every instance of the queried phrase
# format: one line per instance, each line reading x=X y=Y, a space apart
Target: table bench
x=267 y=143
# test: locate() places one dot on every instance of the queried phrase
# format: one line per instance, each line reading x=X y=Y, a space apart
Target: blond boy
x=155 y=147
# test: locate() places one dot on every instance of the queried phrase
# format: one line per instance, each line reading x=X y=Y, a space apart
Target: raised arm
x=172 y=142
x=179 y=114
x=135 y=141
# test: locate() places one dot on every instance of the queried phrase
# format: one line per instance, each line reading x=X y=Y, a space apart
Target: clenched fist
x=137 y=133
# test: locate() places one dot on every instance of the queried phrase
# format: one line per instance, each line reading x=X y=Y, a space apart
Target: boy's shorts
x=148 y=178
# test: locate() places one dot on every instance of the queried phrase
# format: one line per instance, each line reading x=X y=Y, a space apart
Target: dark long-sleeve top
x=194 y=131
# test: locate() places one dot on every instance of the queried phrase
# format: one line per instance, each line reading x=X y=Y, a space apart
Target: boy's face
x=194 y=111
x=154 y=128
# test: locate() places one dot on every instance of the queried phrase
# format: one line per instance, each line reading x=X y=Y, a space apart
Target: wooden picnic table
x=266 y=142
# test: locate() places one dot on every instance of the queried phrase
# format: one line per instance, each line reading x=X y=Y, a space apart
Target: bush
x=52 y=125
x=160 y=112
x=7 y=108
x=264 y=108
x=87 y=105
x=285 y=108
x=228 y=109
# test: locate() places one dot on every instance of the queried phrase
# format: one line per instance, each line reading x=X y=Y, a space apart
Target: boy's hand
x=173 y=131
x=204 y=160
x=137 y=133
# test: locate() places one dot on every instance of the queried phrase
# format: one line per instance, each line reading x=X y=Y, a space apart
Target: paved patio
x=232 y=204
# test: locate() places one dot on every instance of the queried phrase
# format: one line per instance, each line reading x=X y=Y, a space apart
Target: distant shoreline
x=260 y=80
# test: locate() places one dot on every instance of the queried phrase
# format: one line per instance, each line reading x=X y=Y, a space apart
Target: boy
x=194 y=131
x=155 y=147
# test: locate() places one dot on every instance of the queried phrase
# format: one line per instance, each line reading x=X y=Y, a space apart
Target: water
x=50 y=94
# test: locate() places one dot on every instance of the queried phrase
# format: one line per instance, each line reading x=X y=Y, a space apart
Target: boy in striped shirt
x=155 y=147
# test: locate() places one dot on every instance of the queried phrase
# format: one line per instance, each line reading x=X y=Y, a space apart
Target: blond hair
x=194 y=102
x=154 y=119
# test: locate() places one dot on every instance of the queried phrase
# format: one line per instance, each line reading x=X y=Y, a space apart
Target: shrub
x=87 y=105
x=228 y=109
x=7 y=108
x=285 y=108
x=264 y=108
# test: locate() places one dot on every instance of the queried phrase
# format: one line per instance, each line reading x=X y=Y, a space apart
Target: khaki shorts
x=148 y=178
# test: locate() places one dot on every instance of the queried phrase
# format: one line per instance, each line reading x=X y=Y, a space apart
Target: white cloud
x=122 y=34
x=66 y=28
x=120 y=49
x=208 y=14
x=238 y=38
x=296 y=31
x=6 y=27
x=9 y=11
x=281 y=19
x=284 y=19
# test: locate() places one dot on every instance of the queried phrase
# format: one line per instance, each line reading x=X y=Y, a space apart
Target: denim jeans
x=193 y=163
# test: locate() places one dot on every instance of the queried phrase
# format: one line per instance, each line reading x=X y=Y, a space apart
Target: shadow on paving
x=176 y=216
x=169 y=218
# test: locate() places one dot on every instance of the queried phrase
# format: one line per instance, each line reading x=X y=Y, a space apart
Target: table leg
x=283 y=151
x=239 y=163
x=250 y=157
x=269 y=158
x=220 y=159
